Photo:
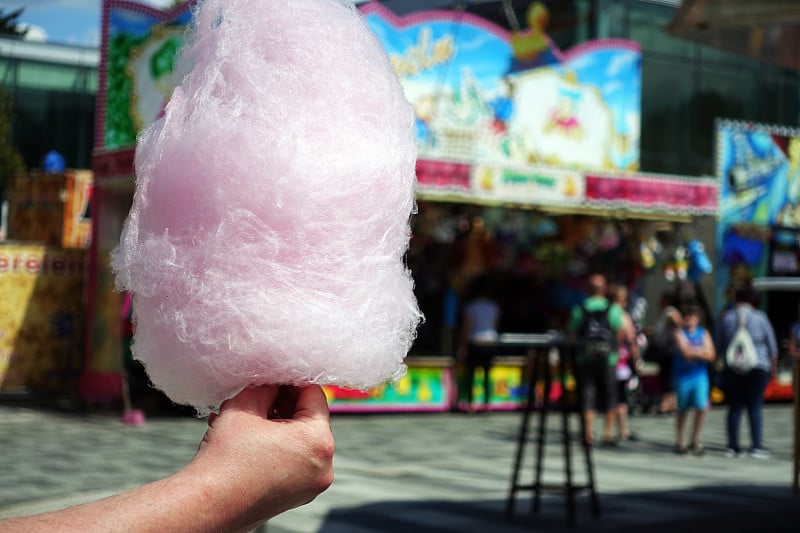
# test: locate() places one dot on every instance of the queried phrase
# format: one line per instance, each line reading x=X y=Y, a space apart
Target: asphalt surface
x=425 y=472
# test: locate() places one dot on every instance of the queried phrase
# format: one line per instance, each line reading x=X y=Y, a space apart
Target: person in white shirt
x=478 y=342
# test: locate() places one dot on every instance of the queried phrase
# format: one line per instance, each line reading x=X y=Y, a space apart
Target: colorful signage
x=138 y=50
x=527 y=185
x=424 y=388
x=650 y=192
x=758 y=169
x=41 y=317
x=547 y=186
x=507 y=388
x=478 y=98
x=429 y=386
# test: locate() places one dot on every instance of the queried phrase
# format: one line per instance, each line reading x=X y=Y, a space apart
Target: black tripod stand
x=539 y=347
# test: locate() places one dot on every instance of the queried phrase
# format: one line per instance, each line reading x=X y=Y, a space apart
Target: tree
x=10 y=160
x=9 y=25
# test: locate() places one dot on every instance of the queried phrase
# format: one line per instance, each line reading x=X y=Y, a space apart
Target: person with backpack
x=596 y=324
x=751 y=359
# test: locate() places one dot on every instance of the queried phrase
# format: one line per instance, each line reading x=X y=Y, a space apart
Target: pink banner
x=696 y=196
x=443 y=176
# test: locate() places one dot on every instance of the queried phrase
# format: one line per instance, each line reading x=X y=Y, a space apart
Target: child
x=695 y=350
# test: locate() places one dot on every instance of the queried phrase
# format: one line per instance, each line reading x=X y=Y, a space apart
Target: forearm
x=247 y=469
x=176 y=503
x=695 y=353
x=709 y=352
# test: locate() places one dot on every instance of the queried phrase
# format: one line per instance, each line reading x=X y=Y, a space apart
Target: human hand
x=270 y=449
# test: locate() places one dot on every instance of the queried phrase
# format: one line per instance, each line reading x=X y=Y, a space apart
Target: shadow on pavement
x=732 y=508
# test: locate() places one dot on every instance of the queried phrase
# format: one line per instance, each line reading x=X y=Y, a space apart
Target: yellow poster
x=41 y=317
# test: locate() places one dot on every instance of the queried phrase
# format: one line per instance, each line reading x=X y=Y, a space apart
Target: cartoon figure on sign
x=564 y=118
x=533 y=47
x=789 y=214
x=502 y=106
x=423 y=114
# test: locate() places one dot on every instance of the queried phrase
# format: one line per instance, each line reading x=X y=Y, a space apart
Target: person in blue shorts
x=694 y=351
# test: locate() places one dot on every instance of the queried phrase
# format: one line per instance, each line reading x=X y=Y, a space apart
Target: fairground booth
x=758 y=236
x=528 y=173
x=42 y=283
x=757 y=165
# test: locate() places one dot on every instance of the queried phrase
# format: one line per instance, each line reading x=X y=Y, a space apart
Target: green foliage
x=9 y=25
x=10 y=161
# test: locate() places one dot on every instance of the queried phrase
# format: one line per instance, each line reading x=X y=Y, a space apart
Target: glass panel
x=647 y=24
x=666 y=92
x=721 y=93
x=717 y=55
x=570 y=23
x=43 y=76
x=611 y=19
x=778 y=97
x=91 y=82
x=6 y=72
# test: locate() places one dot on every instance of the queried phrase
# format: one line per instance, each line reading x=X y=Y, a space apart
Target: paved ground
x=424 y=472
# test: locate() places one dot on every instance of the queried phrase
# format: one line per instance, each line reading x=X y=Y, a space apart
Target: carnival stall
x=42 y=282
x=758 y=235
x=528 y=167
x=528 y=171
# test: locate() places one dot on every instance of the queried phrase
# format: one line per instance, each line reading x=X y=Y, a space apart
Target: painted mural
x=481 y=94
x=139 y=45
x=758 y=170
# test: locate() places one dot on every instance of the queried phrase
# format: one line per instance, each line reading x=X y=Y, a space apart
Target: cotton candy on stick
x=266 y=239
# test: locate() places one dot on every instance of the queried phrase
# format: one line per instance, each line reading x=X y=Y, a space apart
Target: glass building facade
x=685 y=86
x=53 y=89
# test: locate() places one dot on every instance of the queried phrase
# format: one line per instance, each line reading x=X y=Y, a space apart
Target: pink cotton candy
x=266 y=240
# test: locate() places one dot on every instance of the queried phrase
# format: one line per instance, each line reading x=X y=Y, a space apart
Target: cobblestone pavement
x=423 y=472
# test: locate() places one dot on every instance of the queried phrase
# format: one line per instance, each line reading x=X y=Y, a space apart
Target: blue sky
x=74 y=22
x=77 y=22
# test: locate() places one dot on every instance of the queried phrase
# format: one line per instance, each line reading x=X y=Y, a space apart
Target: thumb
x=253 y=400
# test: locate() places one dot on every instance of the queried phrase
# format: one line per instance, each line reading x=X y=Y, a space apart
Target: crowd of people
x=745 y=344
x=681 y=343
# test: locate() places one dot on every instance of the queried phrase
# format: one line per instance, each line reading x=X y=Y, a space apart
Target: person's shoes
x=681 y=450
x=630 y=437
x=609 y=442
x=758 y=453
x=697 y=449
x=730 y=453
